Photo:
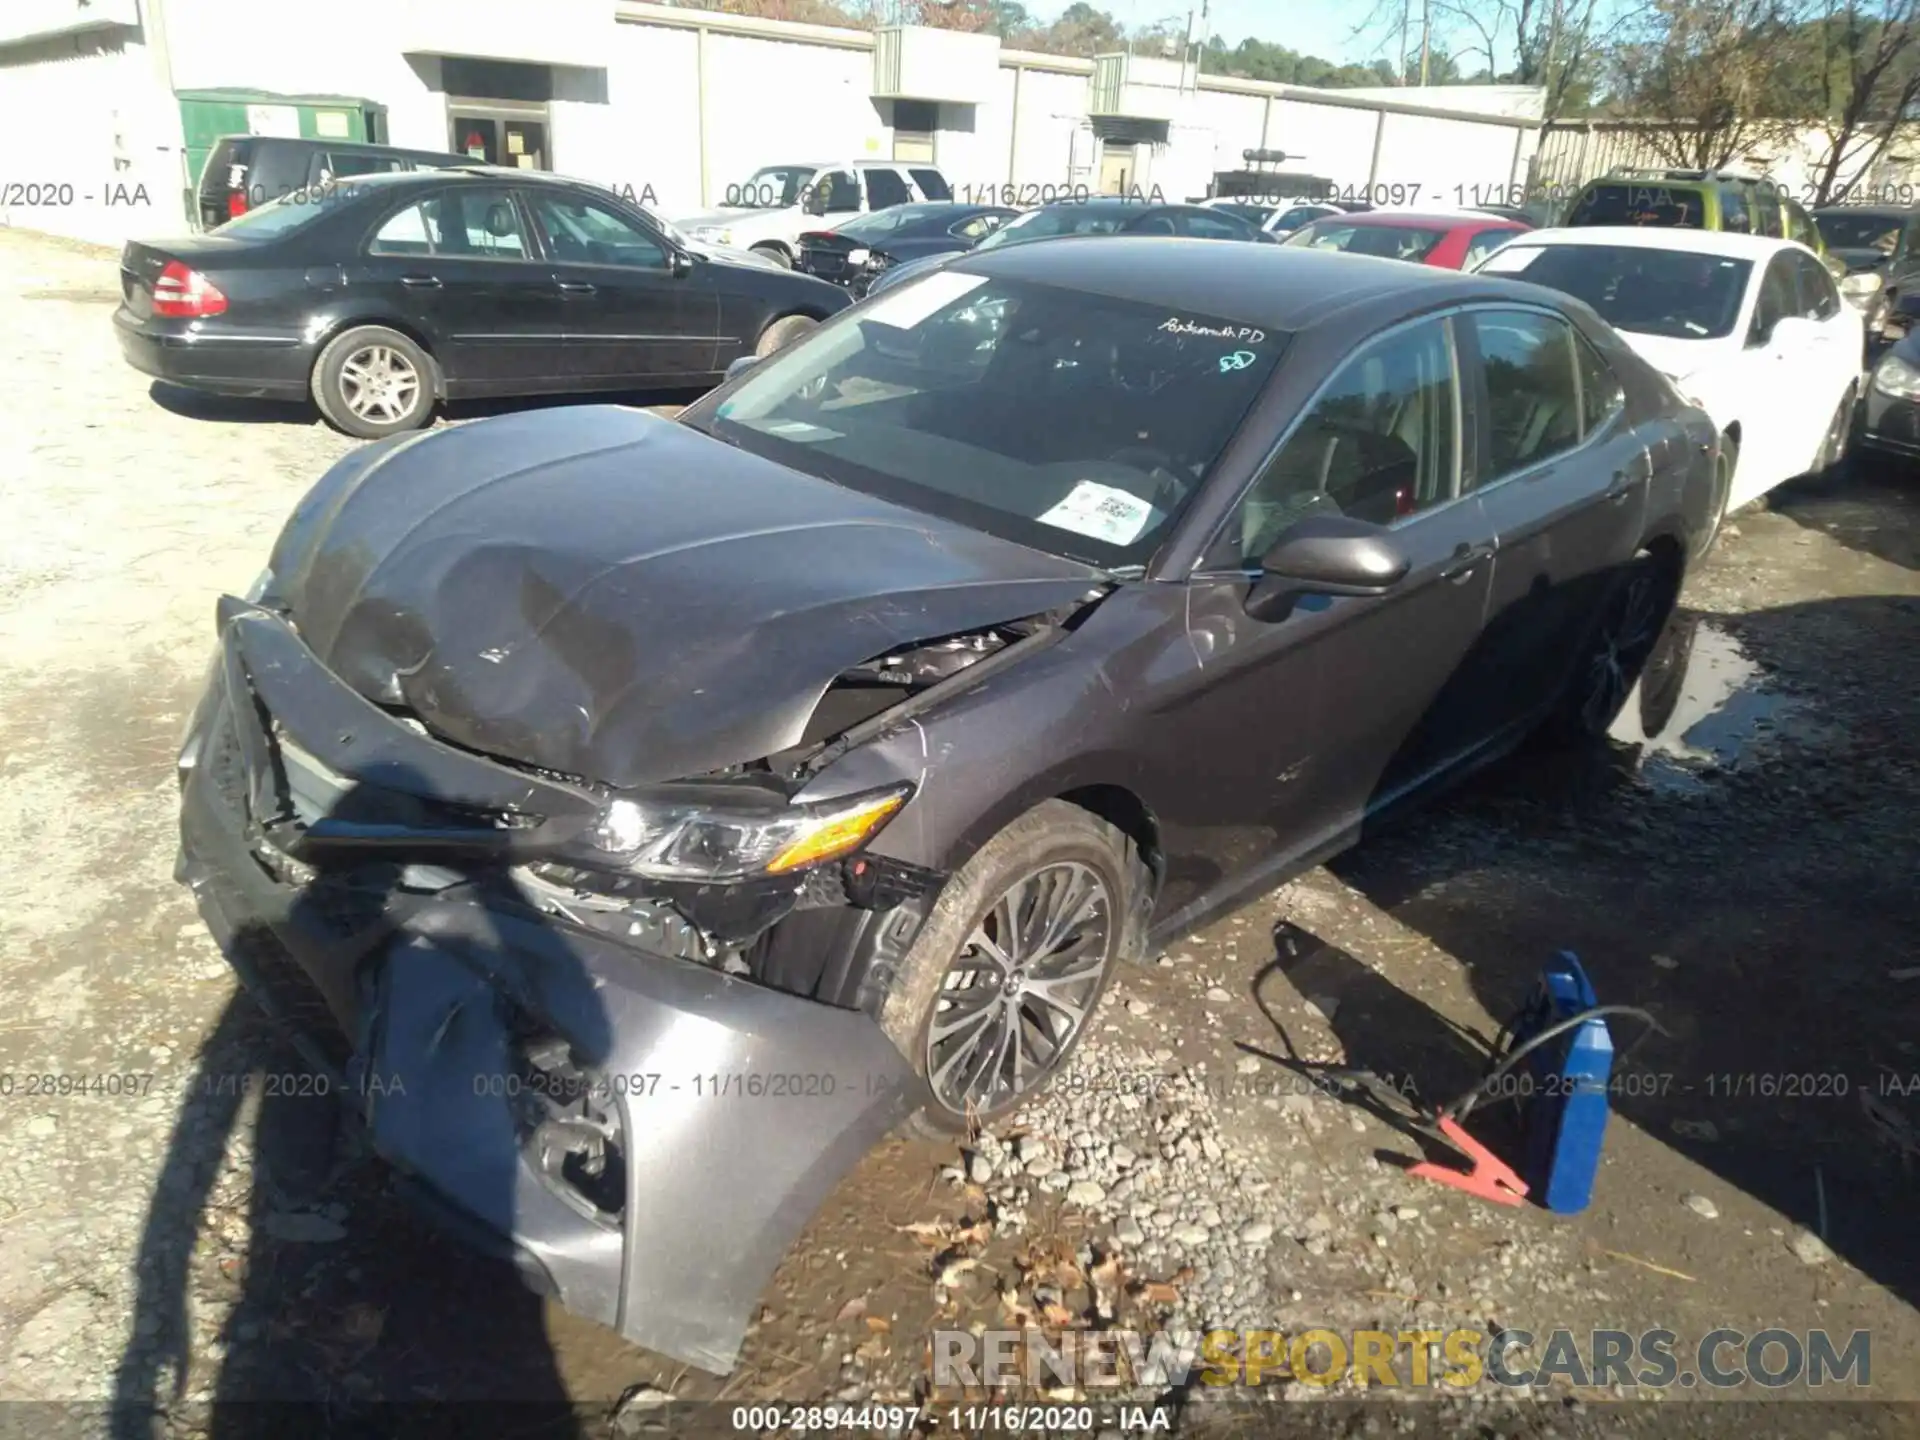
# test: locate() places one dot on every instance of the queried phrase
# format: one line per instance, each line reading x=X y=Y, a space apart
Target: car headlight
x=734 y=840
x=1896 y=377
x=1863 y=285
x=714 y=235
x=858 y=256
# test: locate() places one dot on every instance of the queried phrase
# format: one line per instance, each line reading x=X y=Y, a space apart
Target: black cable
x=1464 y=1103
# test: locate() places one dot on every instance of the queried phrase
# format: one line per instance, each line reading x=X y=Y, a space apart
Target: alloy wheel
x=1628 y=633
x=1018 y=994
x=379 y=384
x=1833 y=447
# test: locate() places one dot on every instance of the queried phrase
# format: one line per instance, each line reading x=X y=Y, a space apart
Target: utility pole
x=1426 y=34
x=1406 y=36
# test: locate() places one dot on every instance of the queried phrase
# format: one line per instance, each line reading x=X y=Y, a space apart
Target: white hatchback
x=1750 y=329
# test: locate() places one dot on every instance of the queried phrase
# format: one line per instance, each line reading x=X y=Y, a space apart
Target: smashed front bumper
x=642 y=1135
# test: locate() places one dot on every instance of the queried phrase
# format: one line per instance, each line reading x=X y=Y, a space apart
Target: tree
x=1719 y=72
x=1868 y=70
x=1554 y=44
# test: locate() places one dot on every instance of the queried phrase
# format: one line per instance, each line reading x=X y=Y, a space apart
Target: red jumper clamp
x=1490 y=1178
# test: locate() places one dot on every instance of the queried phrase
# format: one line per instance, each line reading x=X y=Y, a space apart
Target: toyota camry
x=643 y=816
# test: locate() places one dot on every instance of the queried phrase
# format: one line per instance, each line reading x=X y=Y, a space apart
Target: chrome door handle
x=421 y=282
x=1466 y=560
x=576 y=287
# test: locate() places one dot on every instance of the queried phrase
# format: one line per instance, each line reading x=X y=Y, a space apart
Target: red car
x=1451 y=241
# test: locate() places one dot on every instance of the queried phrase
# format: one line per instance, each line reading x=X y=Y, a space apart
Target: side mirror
x=1792 y=330
x=679 y=262
x=815 y=202
x=1326 y=555
x=741 y=366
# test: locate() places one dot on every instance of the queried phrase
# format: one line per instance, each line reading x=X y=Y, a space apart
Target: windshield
x=1393 y=242
x=1064 y=420
x=775 y=188
x=1640 y=205
x=287 y=214
x=1860 y=232
x=1679 y=294
x=885 y=222
x=1043 y=224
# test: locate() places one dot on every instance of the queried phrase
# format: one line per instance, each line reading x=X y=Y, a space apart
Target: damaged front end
x=623 y=1038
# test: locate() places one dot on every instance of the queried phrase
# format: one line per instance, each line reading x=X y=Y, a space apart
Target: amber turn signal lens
x=836 y=836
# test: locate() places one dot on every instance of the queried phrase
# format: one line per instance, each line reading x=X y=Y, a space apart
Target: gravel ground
x=1746 y=873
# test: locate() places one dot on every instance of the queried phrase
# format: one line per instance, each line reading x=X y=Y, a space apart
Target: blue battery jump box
x=1565 y=1102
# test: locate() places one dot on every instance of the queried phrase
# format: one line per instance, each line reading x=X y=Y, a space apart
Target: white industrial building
x=682 y=102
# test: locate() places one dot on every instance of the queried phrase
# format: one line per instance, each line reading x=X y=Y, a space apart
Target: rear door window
x=1736 y=218
x=476 y=224
x=341 y=163
x=884 y=188
x=1600 y=391
x=1533 y=400
x=932 y=184
x=403 y=234
x=1483 y=245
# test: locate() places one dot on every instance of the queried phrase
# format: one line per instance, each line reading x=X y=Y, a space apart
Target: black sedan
x=737 y=785
x=853 y=253
x=1890 y=414
x=1876 y=244
x=383 y=295
x=1102 y=215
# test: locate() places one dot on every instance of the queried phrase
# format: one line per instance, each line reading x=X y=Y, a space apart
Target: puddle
x=1701 y=707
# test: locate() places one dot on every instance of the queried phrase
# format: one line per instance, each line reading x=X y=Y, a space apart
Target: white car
x=1750 y=329
x=769 y=211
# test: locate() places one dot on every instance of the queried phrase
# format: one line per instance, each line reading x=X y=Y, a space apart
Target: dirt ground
x=1746 y=873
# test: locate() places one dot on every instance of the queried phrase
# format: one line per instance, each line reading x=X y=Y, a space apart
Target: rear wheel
x=784 y=332
x=371 y=381
x=776 y=254
x=1002 y=982
x=1632 y=619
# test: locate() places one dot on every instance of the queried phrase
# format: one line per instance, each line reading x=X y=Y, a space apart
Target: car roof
x=1275 y=287
x=1430 y=219
x=1663 y=237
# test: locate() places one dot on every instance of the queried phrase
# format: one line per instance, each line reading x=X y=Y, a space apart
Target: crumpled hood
x=605 y=593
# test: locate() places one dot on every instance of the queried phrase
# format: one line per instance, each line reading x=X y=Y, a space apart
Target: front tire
x=1002 y=982
x=776 y=254
x=370 y=382
x=1726 y=465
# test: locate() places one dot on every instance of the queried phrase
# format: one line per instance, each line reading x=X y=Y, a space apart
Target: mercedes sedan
x=643 y=816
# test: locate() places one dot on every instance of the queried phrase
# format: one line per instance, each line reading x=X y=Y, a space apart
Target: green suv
x=1733 y=201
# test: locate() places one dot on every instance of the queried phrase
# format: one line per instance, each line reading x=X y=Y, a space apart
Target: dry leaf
x=950 y=1274
x=1056 y=1314
x=872 y=1349
x=852 y=1310
x=977 y=1233
x=879 y=1324
x=927 y=1232
x=1157 y=1292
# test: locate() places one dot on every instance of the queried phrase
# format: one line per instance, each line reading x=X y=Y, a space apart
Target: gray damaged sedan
x=640 y=818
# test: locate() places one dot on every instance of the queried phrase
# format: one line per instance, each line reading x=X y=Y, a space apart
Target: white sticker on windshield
x=800 y=431
x=1509 y=260
x=1102 y=512
x=915 y=301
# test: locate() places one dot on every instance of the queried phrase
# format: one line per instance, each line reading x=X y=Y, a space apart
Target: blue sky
x=1312 y=27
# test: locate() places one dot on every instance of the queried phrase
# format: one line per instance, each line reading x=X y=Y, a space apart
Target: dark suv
x=244 y=172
